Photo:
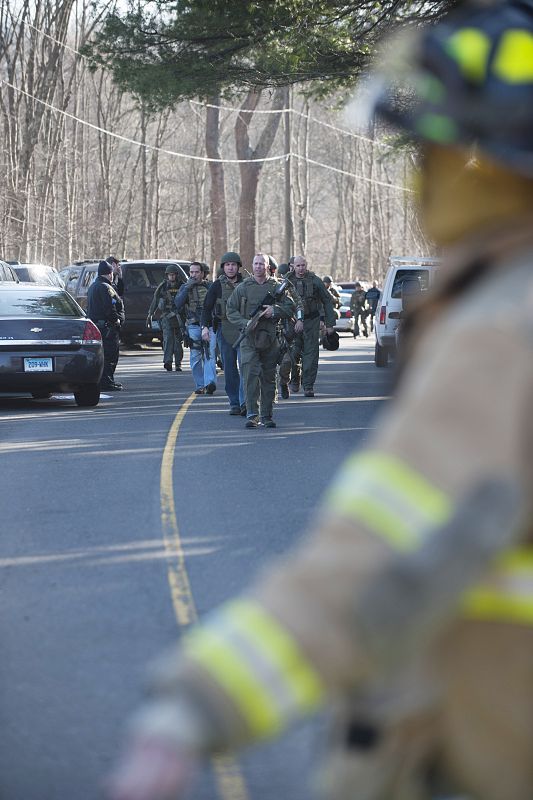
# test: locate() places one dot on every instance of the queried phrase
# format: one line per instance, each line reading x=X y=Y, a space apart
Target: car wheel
x=381 y=356
x=41 y=395
x=88 y=395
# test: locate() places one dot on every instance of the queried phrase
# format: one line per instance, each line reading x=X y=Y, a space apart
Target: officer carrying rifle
x=255 y=306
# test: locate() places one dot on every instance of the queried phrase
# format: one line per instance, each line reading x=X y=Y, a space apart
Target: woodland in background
x=72 y=191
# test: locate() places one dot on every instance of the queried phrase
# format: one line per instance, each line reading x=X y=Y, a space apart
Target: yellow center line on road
x=229 y=778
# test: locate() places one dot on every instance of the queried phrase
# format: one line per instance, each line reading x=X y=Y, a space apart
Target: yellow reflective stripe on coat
x=470 y=47
x=390 y=497
x=507 y=595
x=234 y=676
x=513 y=62
x=276 y=646
x=258 y=664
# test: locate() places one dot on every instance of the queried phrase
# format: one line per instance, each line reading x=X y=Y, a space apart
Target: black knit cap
x=104 y=268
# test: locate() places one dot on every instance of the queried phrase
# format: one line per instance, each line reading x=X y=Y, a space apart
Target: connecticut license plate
x=38 y=365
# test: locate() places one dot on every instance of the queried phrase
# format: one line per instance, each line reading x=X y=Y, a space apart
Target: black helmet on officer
x=172 y=269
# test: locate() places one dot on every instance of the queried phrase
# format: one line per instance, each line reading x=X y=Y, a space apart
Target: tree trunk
x=217 y=191
x=250 y=171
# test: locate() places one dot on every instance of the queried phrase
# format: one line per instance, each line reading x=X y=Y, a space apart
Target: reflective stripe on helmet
x=513 y=62
x=508 y=594
x=437 y=127
x=258 y=664
x=470 y=47
x=389 y=497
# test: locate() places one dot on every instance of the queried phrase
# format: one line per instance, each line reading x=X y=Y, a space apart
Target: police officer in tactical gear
x=163 y=302
x=214 y=317
x=260 y=348
x=411 y=605
x=304 y=349
x=106 y=309
x=372 y=298
x=359 y=310
x=327 y=280
x=190 y=301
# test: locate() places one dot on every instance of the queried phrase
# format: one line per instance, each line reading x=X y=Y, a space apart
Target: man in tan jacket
x=410 y=607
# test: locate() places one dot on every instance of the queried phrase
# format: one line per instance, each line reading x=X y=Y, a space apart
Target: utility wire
x=143 y=144
x=298 y=114
x=282 y=157
x=239 y=110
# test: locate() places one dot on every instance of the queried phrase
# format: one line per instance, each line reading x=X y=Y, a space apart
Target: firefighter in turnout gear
x=214 y=317
x=163 y=302
x=190 y=302
x=301 y=364
x=411 y=605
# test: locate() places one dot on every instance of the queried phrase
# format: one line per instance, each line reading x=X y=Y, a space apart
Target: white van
x=390 y=303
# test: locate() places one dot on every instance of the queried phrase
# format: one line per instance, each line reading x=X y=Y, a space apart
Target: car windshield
x=35 y=273
x=402 y=274
x=145 y=277
x=34 y=303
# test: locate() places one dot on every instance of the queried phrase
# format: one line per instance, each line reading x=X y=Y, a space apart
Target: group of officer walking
x=256 y=323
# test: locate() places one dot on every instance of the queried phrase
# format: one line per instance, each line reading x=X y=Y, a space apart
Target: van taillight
x=91 y=333
x=383 y=315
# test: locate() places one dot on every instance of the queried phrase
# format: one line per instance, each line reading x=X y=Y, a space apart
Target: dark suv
x=141 y=279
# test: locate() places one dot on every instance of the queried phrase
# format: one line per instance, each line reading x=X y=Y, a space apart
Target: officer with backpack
x=164 y=301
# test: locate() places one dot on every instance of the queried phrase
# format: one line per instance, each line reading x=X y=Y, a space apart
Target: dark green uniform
x=304 y=350
x=359 y=311
x=260 y=349
x=163 y=301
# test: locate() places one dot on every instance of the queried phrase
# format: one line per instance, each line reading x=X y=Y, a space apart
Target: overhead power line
x=300 y=114
x=293 y=111
x=142 y=144
x=282 y=157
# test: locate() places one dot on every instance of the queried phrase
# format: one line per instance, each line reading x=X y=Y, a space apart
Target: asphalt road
x=120 y=525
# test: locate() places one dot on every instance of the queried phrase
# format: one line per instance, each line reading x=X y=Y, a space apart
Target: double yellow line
x=229 y=779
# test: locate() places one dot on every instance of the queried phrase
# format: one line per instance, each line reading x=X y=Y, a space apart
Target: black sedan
x=47 y=344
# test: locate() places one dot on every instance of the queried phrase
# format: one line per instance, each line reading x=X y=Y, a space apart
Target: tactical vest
x=196 y=299
x=229 y=331
x=168 y=295
x=358 y=300
x=307 y=290
x=254 y=294
x=264 y=334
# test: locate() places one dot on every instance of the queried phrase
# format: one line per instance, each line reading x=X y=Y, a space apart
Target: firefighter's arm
x=298 y=636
